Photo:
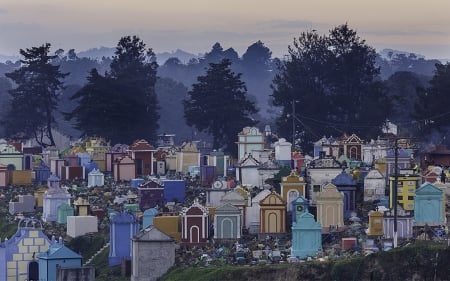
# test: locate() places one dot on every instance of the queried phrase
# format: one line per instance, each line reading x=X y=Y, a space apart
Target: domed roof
x=123 y=217
x=344 y=179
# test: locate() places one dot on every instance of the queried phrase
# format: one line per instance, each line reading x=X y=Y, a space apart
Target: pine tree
x=35 y=97
x=121 y=106
x=217 y=105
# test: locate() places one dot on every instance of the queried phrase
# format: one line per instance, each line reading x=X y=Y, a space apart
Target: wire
x=336 y=124
x=307 y=127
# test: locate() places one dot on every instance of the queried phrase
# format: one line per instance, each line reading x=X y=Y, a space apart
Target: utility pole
x=293 y=125
x=395 y=190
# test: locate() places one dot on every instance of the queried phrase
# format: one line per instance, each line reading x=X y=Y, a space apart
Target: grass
x=418 y=261
x=104 y=272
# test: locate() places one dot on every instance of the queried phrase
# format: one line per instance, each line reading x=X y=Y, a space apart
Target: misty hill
x=389 y=54
x=5 y=58
x=391 y=61
x=183 y=56
x=161 y=58
x=97 y=53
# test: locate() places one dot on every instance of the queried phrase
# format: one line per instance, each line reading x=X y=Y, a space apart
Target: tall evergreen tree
x=402 y=89
x=122 y=105
x=256 y=66
x=217 y=104
x=331 y=84
x=134 y=69
x=257 y=59
x=35 y=97
x=432 y=107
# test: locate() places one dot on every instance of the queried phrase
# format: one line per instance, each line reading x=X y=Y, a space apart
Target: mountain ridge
x=185 y=57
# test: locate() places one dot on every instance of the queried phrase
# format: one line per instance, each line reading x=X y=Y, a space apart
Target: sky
x=416 y=26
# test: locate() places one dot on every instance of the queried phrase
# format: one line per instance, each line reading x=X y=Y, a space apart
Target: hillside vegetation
x=418 y=261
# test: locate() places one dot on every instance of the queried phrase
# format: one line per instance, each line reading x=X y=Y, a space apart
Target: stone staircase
x=96 y=254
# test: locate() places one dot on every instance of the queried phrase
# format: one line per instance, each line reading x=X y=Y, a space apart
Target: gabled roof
x=374 y=174
x=150 y=184
x=141 y=145
x=228 y=208
x=125 y=160
x=293 y=178
x=152 y=233
x=307 y=221
x=189 y=147
x=260 y=196
x=299 y=200
x=272 y=199
x=249 y=161
x=428 y=189
x=233 y=196
x=252 y=131
x=195 y=205
x=59 y=251
x=431 y=173
x=352 y=139
x=330 y=191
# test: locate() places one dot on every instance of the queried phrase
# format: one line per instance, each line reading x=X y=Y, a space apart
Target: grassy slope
x=414 y=262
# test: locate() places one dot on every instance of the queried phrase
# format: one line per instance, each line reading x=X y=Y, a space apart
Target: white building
x=252 y=215
x=320 y=172
x=375 y=150
x=80 y=225
x=374 y=185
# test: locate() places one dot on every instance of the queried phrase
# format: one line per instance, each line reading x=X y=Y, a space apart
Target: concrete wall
x=151 y=259
x=85 y=273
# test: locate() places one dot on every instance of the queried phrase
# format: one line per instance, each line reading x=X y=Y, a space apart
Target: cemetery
x=144 y=213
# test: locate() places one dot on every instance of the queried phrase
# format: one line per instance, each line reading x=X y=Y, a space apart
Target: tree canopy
x=402 y=91
x=122 y=105
x=217 y=104
x=331 y=84
x=432 y=108
x=257 y=58
x=170 y=96
x=35 y=97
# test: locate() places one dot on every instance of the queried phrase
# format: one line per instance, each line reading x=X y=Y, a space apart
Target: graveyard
x=132 y=211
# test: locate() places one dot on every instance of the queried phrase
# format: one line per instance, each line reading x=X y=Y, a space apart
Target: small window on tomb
x=316 y=188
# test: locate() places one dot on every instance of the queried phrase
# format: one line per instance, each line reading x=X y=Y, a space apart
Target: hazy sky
x=195 y=25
